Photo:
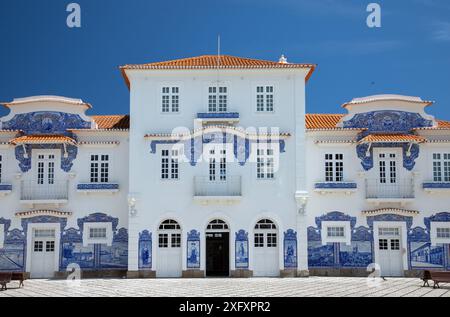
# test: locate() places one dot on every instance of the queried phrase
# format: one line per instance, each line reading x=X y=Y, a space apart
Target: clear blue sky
x=409 y=54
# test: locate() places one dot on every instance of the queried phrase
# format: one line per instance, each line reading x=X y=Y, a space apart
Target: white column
x=301 y=193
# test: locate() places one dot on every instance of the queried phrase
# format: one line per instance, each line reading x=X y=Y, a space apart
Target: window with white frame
x=441 y=167
x=265 y=163
x=97 y=233
x=443 y=233
x=334 y=167
x=217 y=99
x=336 y=232
x=100 y=166
x=170 y=100
x=264 y=99
x=170 y=164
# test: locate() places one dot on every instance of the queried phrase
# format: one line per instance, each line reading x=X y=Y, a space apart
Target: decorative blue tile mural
x=290 y=249
x=241 y=248
x=145 y=250
x=193 y=249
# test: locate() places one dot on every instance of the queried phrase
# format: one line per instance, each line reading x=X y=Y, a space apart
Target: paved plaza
x=264 y=287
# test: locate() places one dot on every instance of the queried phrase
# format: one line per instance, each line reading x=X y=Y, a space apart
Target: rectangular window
x=443 y=233
x=383 y=244
x=50 y=246
x=170 y=164
x=265 y=164
x=395 y=244
x=176 y=240
x=217 y=99
x=1 y=169
x=163 y=240
x=99 y=168
x=97 y=233
x=441 y=167
x=389 y=231
x=264 y=99
x=40 y=173
x=170 y=99
x=44 y=233
x=334 y=167
x=38 y=246
x=272 y=240
x=259 y=240
x=335 y=232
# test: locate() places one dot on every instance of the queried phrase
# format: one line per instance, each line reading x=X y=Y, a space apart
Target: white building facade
x=220 y=172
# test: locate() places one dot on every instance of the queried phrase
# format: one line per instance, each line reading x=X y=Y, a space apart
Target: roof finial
x=283 y=59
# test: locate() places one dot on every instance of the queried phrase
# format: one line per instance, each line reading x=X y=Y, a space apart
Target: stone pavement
x=264 y=287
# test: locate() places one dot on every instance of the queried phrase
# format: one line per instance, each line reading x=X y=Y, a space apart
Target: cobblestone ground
x=297 y=287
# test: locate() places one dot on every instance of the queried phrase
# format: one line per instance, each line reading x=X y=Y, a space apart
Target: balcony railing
x=204 y=187
x=32 y=191
x=401 y=188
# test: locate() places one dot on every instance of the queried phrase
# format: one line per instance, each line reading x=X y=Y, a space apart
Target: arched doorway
x=168 y=257
x=217 y=248
x=265 y=249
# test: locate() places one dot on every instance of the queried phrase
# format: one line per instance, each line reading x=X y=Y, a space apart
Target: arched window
x=169 y=234
x=169 y=224
x=265 y=234
x=217 y=224
x=265 y=224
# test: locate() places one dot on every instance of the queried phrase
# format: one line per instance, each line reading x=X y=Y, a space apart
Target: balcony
x=209 y=191
x=335 y=187
x=33 y=193
x=400 y=191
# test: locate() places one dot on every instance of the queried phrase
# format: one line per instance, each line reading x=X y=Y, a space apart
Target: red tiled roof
x=443 y=124
x=42 y=139
x=214 y=61
x=121 y=122
x=399 y=138
x=322 y=121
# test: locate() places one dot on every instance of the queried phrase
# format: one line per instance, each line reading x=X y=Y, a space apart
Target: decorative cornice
x=395 y=211
x=34 y=213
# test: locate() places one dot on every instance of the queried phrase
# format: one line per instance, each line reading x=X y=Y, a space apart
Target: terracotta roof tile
x=42 y=139
x=121 y=122
x=443 y=124
x=213 y=61
x=322 y=121
x=380 y=138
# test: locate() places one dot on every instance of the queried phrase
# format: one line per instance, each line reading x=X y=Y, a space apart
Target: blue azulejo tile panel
x=5 y=187
x=336 y=185
x=241 y=249
x=218 y=115
x=436 y=185
x=423 y=255
x=92 y=186
x=145 y=250
x=12 y=255
x=290 y=249
x=358 y=254
x=193 y=249
x=320 y=255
